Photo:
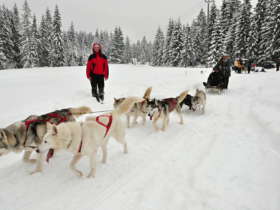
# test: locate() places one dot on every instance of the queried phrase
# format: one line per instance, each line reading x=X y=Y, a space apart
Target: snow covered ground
x=227 y=159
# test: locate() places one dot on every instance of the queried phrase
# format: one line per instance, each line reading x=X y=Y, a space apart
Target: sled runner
x=214 y=89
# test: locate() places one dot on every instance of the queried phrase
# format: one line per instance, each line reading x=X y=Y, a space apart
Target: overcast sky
x=137 y=18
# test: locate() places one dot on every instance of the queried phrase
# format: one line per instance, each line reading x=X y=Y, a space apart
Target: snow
x=226 y=159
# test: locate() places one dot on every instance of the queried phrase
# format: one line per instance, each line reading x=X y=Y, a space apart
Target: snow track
x=226 y=159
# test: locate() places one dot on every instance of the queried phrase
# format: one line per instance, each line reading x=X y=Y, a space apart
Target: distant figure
x=97 y=71
x=277 y=61
x=249 y=65
x=238 y=65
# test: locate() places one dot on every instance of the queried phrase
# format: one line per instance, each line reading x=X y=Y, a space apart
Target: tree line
x=236 y=29
x=26 y=42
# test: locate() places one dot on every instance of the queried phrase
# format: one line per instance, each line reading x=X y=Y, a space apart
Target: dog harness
x=171 y=102
x=49 y=118
x=107 y=126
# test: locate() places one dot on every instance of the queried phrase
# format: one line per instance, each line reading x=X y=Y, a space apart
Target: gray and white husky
x=199 y=100
x=138 y=110
x=27 y=135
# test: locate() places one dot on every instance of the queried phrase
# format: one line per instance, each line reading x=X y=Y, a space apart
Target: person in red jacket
x=97 y=71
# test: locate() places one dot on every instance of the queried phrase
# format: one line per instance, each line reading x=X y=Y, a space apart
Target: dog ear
x=2 y=136
x=54 y=130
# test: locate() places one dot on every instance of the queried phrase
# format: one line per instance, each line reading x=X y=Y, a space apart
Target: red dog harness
x=172 y=103
x=50 y=116
x=107 y=126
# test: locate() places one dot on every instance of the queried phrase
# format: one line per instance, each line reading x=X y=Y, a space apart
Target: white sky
x=136 y=17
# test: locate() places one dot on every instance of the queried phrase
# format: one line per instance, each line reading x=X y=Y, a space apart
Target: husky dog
x=27 y=135
x=188 y=102
x=199 y=100
x=85 y=138
x=138 y=110
x=162 y=109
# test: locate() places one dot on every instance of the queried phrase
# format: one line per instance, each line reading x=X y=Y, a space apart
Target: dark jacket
x=223 y=67
x=216 y=78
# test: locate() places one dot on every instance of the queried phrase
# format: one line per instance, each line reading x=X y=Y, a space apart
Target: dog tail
x=80 y=110
x=126 y=105
x=182 y=96
x=147 y=94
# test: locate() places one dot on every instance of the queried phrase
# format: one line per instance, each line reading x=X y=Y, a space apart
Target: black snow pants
x=97 y=86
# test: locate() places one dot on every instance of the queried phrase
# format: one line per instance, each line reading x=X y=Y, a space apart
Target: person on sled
x=97 y=71
x=220 y=75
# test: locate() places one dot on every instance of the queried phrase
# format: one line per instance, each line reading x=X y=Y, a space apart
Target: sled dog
x=27 y=135
x=85 y=138
x=188 y=102
x=199 y=100
x=162 y=108
x=138 y=110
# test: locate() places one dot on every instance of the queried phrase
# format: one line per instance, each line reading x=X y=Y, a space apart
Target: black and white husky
x=162 y=108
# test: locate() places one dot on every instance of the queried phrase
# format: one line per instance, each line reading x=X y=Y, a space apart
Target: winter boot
x=101 y=97
x=97 y=98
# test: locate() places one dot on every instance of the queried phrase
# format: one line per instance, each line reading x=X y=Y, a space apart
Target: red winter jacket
x=97 y=64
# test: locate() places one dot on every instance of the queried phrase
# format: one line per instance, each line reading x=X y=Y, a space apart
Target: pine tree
x=187 y=53
x=43 y=44
x=127 y=58
x=167 y=48
x=58 y=51
x=33 y=54
x=243 y=30
x=105 y=41
x=216 y=43
x=226 y=18
x=211 y=26
x=26 y=36
x=48 y=35
x=16 y=38
x=3 y=58
x=267 y=29
x=202 y=38
x=275 y=44
x=158 y=48
x=176 y=44
x=70 y=47
x=256 y=46
x=117 y=49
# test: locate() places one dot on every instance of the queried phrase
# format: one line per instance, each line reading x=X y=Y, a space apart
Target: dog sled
x=214 y=89
x=218 y=88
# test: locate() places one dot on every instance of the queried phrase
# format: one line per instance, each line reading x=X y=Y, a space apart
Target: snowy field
x=227 y=159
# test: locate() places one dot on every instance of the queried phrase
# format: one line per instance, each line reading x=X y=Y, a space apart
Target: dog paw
x=79 y=173
x=91 y=176
x=31 y=161
x=35 y=172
